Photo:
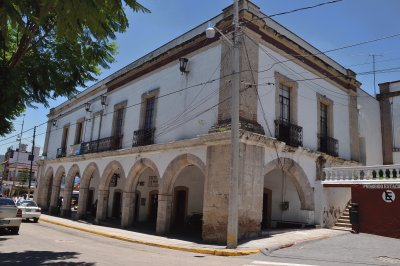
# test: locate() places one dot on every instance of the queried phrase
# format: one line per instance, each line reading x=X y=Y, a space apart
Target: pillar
x=102 y=202
x=164 y=213
x=66 y=208
x=55 y=194
x=128 y=208
x=82 y=202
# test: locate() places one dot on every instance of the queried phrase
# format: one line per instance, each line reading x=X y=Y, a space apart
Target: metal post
x=31 y=159
x=232 y=230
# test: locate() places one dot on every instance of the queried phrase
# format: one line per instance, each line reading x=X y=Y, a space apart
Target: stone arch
x=136 y=170
x=72 y=172
x=90 y=170
x=55 y=190
x=176 y=166
x=299 y=179
x=167 y=185
x=84 y=201
x=59 y=173
x=107 y=173
x=104 y=188
x=130 y=192
x=44 y=189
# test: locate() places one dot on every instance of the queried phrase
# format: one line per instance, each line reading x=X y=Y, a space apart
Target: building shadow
x=33 y=258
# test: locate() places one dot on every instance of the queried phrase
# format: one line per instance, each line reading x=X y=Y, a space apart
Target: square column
x=164 y=213
x=128 y=208
x=102 y=202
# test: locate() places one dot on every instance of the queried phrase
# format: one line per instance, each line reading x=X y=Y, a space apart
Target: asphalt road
x=47 y=244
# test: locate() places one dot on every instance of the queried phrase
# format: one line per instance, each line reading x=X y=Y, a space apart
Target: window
x=326 y=142
x=284 y=103
x=65 y=138
x=323 y=120
x=119 y=122
x=148 y=120
x=79 y=132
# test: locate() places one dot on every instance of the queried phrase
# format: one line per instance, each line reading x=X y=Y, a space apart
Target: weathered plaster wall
x=335 y=202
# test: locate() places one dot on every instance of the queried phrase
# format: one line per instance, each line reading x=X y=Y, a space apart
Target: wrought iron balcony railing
x=61 y=152
x=328 y=145
x=289 y=133
x=143 y=137
x=104 y=144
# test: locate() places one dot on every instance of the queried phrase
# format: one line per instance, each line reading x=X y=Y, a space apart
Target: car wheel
x=14 y=230
x=35 y=220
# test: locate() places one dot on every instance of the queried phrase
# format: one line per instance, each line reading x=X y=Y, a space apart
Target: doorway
x=153 y=206
x=266 y=211
x=116 y=211
x=180 y=206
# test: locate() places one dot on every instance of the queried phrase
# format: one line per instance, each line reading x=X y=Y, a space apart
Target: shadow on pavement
x=40 y=258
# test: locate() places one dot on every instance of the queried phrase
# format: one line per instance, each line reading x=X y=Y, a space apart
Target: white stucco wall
x=307 y=100
x=185 y=108
x=369 y=128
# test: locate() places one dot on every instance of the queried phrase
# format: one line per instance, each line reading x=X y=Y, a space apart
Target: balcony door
x=284 y=117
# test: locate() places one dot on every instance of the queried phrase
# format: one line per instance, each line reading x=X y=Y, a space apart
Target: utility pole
x=232 y=230
x=31 y=158
x=16 y=161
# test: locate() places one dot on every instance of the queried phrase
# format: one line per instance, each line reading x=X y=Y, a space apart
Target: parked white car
x=10 y=215
x=29 y=209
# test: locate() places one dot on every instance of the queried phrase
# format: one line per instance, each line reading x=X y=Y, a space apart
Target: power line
x=302 y=8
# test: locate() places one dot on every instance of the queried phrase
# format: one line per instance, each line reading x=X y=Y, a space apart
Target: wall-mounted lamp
x=87 y=107
x=54 y=123
x=183 y=65
x=103 y=100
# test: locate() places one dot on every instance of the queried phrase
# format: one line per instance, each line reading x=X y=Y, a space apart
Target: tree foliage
x=48 y=48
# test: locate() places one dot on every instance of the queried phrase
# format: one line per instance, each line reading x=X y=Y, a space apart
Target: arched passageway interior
x=187 y=202
x=88 y=189
x=282 y=206
x=146 y=200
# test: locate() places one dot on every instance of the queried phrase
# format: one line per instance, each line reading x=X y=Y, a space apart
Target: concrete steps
x=343 y=223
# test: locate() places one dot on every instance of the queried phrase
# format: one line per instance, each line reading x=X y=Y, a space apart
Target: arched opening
x=44 y=188
x=187 y=205
x=288 y=199
x=87 y=202
x=109 y=205
x=58 y=185
x=141 y=196
x=71 y=192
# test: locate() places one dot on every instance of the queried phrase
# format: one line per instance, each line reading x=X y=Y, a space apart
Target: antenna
x=373 y=69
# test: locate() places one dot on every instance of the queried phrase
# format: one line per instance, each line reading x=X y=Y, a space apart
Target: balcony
x=61 y=152
x=289 y=133
x=143 y=137
x=380 y=174
x=328 y=145
x=100 y=145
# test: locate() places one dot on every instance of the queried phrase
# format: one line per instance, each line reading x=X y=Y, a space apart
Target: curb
x=270 y=249
x=216 y=252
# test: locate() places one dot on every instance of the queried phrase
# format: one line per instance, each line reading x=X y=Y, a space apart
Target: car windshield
x=6 y=201
x=27 y=204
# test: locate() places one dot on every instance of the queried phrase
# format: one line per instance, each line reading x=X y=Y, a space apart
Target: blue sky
x=326 y=27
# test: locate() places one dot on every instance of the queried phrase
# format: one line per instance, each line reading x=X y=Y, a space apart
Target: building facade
x=16 y=167
x=151 y=143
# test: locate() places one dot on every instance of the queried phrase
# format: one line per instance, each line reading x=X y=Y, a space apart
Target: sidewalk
x=275 y=239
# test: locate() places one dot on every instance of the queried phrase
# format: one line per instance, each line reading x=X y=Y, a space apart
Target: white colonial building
x=151 y=143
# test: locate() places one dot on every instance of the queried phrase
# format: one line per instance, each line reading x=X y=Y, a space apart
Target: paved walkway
x=272 y=240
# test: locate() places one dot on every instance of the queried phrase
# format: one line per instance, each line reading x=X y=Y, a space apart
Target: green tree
x=48 y=48
x=23 y=176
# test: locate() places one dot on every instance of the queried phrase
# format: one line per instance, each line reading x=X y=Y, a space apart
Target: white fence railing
x=362 y=174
